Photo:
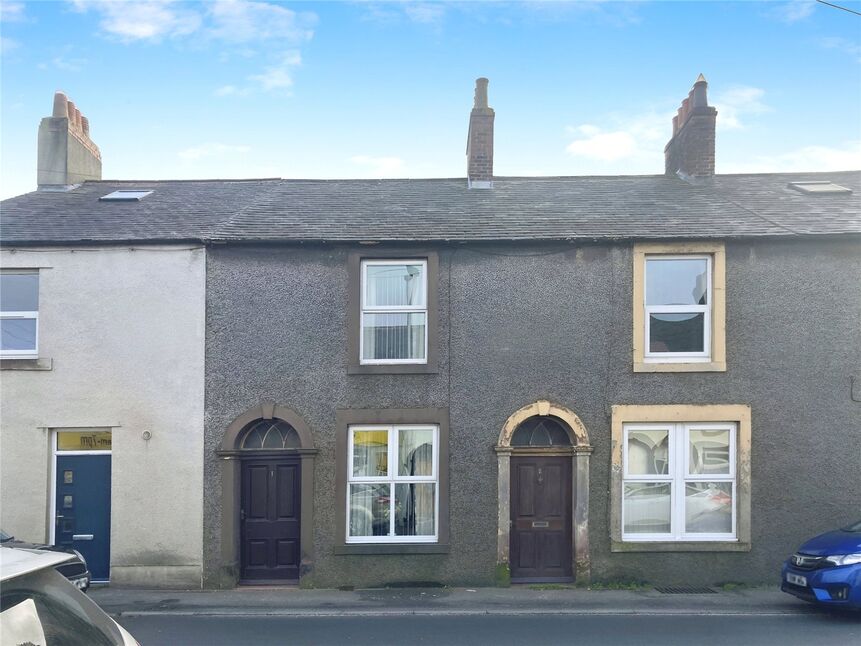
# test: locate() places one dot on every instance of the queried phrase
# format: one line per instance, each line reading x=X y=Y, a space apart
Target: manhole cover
x=685 y=589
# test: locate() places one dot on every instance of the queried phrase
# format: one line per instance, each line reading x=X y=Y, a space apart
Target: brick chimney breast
x=66 y=154
x=479 y=142
x=691 y=150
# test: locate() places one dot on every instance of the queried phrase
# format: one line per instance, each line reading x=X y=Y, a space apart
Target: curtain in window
x=416 y=501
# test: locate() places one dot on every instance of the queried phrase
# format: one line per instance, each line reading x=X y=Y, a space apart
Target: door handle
x=241 y=514
x=82 y=537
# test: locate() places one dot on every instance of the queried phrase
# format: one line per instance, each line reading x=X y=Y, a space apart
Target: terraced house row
x=468 y=381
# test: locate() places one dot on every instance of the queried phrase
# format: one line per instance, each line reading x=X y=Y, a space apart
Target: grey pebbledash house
x=494 y=379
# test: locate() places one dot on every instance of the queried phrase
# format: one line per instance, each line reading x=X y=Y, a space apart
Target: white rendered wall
x=124 y=331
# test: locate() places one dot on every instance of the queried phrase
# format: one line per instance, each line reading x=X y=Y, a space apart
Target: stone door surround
x=230 y=456
x=580 y=451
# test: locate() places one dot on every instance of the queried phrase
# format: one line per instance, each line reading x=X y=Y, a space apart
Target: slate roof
x=176 y=210
x=533 y=208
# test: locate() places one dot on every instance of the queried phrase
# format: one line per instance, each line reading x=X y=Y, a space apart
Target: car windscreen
x=856 y=527
x=4 y=536
x=46 y=606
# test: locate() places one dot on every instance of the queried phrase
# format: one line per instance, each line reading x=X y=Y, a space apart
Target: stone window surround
x=390 y=416
x=717 y=251
x=230 y=457
x=354 y=303
x=580 y=452
x=682 y=413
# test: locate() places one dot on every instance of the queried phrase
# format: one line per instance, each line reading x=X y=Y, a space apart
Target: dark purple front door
x=540 y=519
x=269 y=519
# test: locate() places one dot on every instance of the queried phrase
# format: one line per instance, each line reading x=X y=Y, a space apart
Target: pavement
x=513 y=601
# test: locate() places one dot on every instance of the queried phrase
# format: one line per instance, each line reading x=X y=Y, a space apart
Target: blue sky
x=180 y=90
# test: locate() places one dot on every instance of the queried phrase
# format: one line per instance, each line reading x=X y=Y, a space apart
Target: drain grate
x=685 y=589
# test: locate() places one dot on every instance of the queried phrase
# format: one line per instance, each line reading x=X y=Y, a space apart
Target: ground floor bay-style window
x=392 y=483
x=679 y=482
x=681 y=478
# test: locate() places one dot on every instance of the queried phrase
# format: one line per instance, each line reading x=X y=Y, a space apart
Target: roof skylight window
x=125 y=196
x=819 y=188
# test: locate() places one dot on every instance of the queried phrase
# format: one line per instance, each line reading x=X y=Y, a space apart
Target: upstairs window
x=394 y=312
x=19 y=313
x=678 y=313
x=679 y=307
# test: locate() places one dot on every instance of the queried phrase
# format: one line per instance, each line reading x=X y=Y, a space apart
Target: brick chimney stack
x=691 y=150
x=67 y=155
x=479 y=142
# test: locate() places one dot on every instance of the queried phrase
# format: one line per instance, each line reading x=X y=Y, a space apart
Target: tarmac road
x=820 y=628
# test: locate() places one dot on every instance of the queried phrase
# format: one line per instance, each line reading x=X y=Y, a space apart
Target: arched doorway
x=543 y=486
x=267 y=495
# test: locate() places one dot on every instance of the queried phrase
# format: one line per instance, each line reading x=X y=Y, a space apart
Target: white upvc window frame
x=677 y=477
x=391 y=309
x=392 y=479
x=23 y=315
x=679 y=357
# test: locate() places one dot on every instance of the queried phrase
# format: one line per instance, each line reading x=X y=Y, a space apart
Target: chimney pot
x=699 y=94
x=60 y=103
x=481 y=93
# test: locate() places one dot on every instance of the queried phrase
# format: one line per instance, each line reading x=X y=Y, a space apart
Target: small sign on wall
x=84 y=440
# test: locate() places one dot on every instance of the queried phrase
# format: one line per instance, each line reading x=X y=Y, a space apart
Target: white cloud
x=64 y=64
x=8 y=44
x=380 y=166
x=805 y=159
x=793 y=11
x=280 y=75
x=244 y=25
x=603 y=146
x=143 y=19
x=736 y=103
x=241 y=22
x=212 y=149
x=637 y=140
x=12 y=12
x=427 y=13
x=843 y=45
x=232 y=90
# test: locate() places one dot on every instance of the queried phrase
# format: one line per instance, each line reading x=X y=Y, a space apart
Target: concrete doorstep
x=514 y=601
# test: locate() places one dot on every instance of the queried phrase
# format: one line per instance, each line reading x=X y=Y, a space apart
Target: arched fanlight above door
x=270 y=434
x=541 y=432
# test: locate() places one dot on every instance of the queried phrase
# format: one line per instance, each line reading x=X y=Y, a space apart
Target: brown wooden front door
x=540 y=547
x=269 y=519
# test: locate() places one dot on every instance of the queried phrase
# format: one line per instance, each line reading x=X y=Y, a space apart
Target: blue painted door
x=84 y=509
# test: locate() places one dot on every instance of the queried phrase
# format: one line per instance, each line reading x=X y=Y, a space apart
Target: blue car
x=827 y=569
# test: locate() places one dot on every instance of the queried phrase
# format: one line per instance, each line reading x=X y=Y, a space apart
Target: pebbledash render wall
x=120 y=347
x=528 y=322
